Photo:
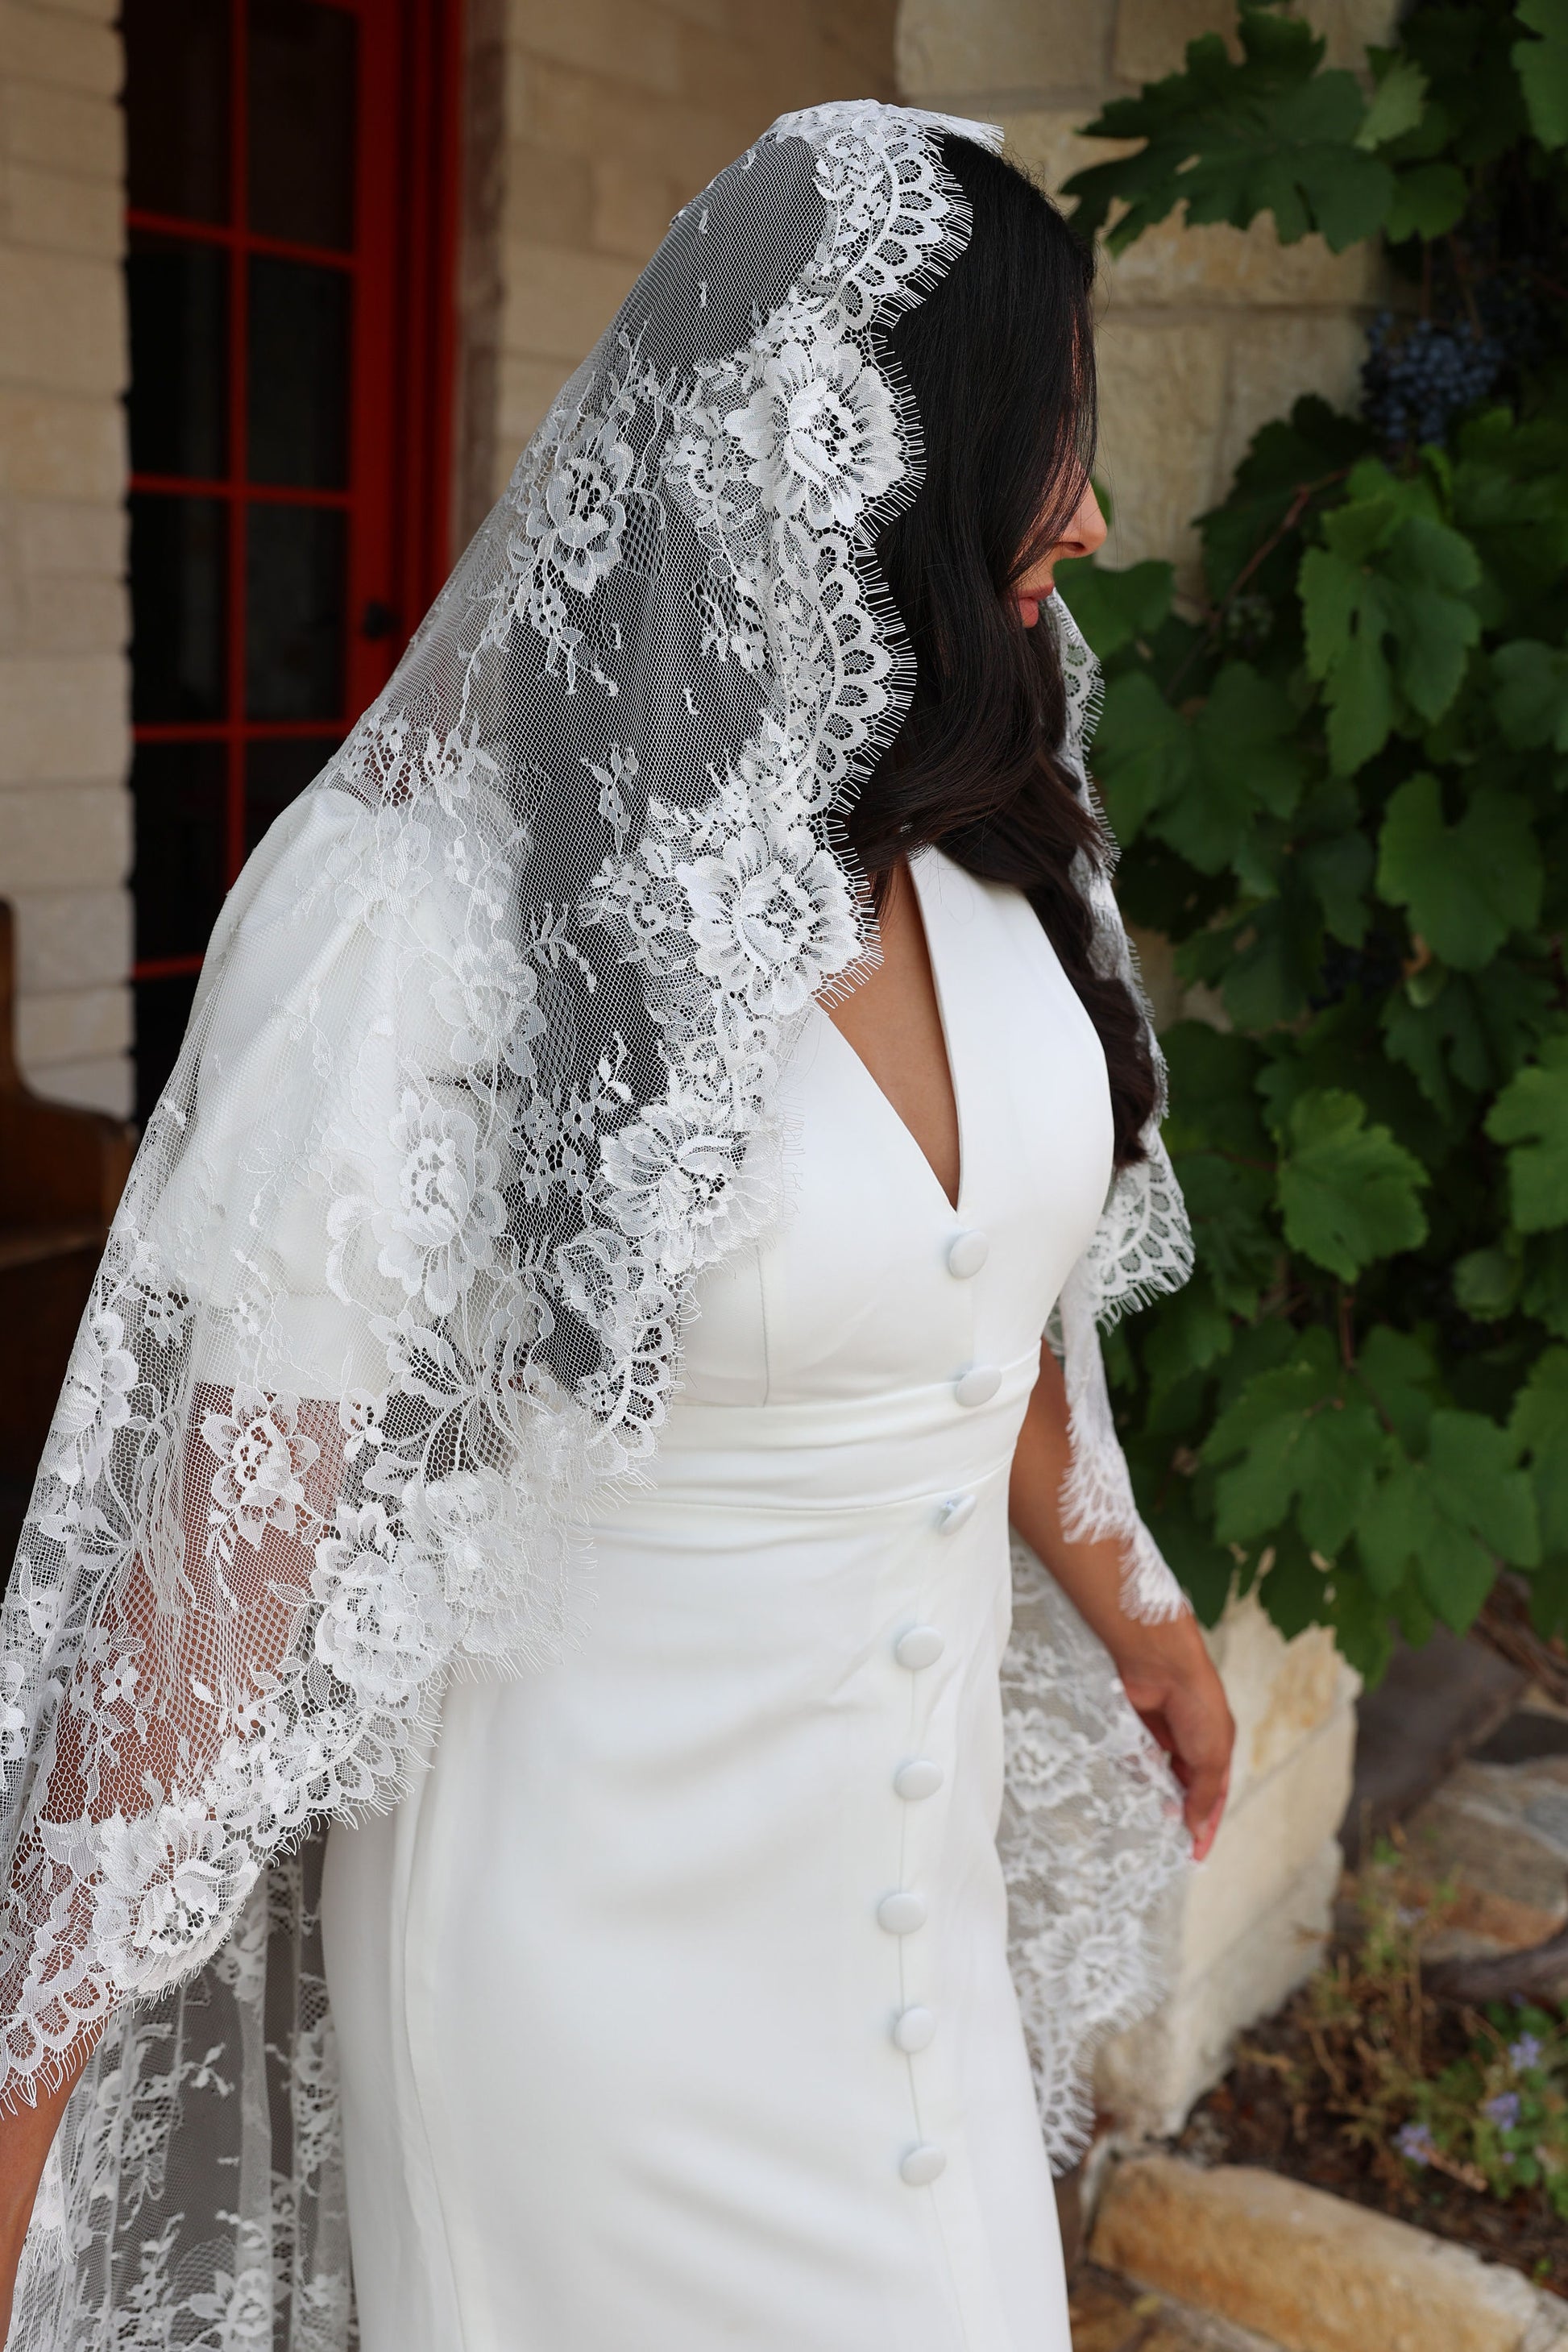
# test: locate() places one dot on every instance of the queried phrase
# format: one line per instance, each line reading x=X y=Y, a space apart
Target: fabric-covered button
x=902 y=1912
x=978 y=1385
x=913 y=2030
x=953 y=1514
x=919 y=1778
x=966 y=1254
x=923 y=2164
x=923 y=1646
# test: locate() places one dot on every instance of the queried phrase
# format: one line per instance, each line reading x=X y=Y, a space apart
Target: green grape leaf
x=1315 y=446
x=1397 y=103
x=1544 y=1294
x=1225 y=1160
x=1295 y=1441
x=1542 y=69
x=1266 y=961
x=1429 y=201
x=1397 y=1372
x=1211 y=1075
x=1268 y=132
x=1346 y=615
x=1466 y=886
x=1246 y=757
x=1487 y=1283
x=1143 y=752
x=1191 y=1331
x=1530 y=1116
x=1387 y=609
x=1433 y=569
x=1448 y=1519
x=1531 y=697
x=1539 y=1428
x=1293 y=1588
x=1201 y=1565
x=1338 y=870
x=1349 y=1193
x=1359 y=1619
x=1228 y=1206
x=1113 y=608
x=1548 y=1596
x=1471 y=1030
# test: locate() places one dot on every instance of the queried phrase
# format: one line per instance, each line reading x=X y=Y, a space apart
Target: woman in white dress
x=618 y=1275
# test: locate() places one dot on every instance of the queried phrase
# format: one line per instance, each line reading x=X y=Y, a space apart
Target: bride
x=663 y=1119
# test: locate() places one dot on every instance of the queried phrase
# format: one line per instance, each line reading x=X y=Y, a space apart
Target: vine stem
x=1462 y=272
x=1305 y=492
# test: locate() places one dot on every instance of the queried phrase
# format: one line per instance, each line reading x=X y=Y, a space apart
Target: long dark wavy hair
x=1000 y=359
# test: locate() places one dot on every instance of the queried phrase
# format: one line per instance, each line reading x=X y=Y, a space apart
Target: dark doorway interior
x=291 y=173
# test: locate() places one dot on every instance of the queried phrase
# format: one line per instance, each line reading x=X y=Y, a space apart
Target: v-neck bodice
x=852 y=1295
x=922 y=879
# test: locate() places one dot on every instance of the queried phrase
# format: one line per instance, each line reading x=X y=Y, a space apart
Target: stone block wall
x=589 y=124
x=65 y=831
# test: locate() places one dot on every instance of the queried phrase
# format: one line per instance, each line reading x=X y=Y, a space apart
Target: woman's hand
x=1165 y=1669
x=1170 y=1678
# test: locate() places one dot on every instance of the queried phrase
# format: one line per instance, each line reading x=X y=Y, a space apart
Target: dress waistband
x=850 y=1453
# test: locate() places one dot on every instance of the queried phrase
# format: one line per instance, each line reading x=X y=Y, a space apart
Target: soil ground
x=1249 y=2119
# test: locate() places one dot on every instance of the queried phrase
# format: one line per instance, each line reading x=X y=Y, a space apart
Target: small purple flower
x=1414 y=2142
x=1503 y=2110
x=1524 y=2054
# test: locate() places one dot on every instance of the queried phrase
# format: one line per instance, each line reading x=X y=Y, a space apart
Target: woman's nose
x=1087 y=531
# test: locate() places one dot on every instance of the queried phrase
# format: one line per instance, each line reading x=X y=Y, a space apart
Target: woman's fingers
x=1173 y=1687
x=1205 y=1735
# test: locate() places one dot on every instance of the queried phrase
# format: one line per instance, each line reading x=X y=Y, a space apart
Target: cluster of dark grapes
x=1418 y=375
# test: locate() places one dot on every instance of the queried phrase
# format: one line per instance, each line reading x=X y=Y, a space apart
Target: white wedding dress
x=674 y=2004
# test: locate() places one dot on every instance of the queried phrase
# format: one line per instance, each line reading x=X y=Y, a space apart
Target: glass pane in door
x=178 y=563
x=294 y=579
x=178 y=299
x=300 y=72
x=181 y=846
x=177 y=107
x=299 y=374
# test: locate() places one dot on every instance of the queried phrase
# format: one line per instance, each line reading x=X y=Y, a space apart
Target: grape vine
x=1341 y=777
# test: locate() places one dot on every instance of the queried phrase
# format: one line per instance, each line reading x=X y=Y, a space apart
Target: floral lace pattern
x=1142 y=1245
x=1091 y=1843
x=194 y=2197
x=480 y=1077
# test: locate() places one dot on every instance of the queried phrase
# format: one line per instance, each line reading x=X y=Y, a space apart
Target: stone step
x=1110 y=2315
x=1308 y=2272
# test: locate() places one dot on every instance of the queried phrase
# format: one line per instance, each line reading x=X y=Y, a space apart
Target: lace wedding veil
x=479 y=1079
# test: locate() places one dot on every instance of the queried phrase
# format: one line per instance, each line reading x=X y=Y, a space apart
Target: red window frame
x=402 y=354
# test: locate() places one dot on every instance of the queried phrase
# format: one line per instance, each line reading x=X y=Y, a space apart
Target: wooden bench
x=62 y=1172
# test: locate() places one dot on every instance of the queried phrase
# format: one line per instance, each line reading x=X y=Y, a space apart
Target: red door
x=291 y=168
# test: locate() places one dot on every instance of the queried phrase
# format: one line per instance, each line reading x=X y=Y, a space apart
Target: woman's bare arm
x=1165 y=1669
x=26 y=2135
